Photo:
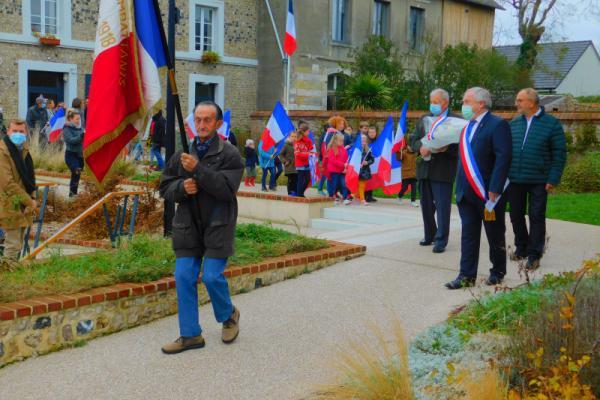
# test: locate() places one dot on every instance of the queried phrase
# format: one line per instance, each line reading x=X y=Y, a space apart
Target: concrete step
x=374 y=216
x=325 y=224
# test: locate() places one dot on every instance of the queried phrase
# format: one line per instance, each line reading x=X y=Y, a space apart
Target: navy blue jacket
x=492 y=148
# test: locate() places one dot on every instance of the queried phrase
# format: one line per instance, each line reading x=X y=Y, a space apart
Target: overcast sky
x=576 y=23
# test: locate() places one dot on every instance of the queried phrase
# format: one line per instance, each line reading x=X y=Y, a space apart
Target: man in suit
x=435 y=176
x=489 y=139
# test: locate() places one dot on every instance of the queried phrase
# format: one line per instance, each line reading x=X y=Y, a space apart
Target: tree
x=365 y=93
x=532 y=17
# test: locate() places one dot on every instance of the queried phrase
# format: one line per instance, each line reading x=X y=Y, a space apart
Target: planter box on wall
x=49 y=41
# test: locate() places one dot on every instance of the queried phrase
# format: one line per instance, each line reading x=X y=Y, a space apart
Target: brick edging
x=281 y=197
x=96 y=244
x=50 y=303
x=63 y=175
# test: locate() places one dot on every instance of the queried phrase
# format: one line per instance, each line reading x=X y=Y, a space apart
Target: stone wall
x=10 y=16
x=84 y=17
x=38 y=326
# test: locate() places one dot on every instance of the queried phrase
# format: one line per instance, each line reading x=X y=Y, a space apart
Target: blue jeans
x=137 y=152
x=272 y=178
x=159 y=159
x=337 y=182
x=322 y=183
x=187 y=270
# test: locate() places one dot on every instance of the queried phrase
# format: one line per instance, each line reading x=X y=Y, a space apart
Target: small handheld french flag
x=354 y=164
x=278 y=128
x=289 y=43
x=56 y=125
x=401 y=131
x=224 y=129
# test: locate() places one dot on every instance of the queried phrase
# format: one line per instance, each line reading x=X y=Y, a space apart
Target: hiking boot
x=183 y=344
x=231 y=327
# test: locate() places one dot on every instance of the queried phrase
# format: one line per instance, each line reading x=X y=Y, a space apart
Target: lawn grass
x=146 y=177
x=575 y=207
x=583 y=208
x=146 y=258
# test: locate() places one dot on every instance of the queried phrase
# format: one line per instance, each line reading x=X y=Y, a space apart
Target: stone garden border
x=41 y=325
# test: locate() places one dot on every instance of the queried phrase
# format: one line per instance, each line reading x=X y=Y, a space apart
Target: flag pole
x=288 y=76
x=171 y=77
x=284 y=58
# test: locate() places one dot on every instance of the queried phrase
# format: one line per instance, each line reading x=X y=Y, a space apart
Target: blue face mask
x=435 y=109
x=44 y=105
x=18 y=138
x=467 y=112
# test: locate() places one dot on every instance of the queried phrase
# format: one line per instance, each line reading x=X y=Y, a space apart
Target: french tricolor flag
x=278 y=128
x=354 y=164
x=223 y=131
x=56 y=125
x=382 y=153
x=289 y=43
x=394 y=184
x=190 y=127
x=313 y=161
x=401 y=131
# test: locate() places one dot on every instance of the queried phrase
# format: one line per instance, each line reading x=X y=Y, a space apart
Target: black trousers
x=412 y=182
x=292 y=184
x=530 y=199
x=75 y=163
x=471 y=215
x=303 y=182
x=436 y=201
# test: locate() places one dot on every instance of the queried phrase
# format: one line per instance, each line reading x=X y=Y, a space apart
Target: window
x=381 y=18
x=205 y=92
x=334 y=82
x=416 y=28
x=204 y=36
x=44 y=16
x=340 y=20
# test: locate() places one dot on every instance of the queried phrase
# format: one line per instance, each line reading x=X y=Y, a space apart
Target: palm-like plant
x=366 y=92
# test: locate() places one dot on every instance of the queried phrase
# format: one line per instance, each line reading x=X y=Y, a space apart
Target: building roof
x=484 y=3
x=553 y=62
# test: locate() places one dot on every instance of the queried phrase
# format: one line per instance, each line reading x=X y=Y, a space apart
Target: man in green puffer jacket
x=539 y=156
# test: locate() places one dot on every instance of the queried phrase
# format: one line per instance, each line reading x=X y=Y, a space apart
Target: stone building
x=62 y=72
x=328 y=29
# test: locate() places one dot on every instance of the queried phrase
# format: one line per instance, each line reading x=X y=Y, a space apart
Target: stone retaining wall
x=41 y=325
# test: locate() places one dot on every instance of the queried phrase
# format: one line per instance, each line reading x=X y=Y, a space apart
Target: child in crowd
x=266 y=160
x=288 y=160
x=371 y=138
x=337 y=161
x=409 y=174
x=302 y=149
x=251 y=162
x=366 y=160
x=324 y=142
x=349 y=136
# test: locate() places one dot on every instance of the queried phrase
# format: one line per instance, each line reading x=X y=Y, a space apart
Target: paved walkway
x=290 y=331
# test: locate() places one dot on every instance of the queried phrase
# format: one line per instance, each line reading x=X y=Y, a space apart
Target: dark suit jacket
x=492 y=148
x=442 y=166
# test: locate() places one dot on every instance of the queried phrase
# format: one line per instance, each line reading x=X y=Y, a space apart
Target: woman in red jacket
x=302 y=149
x=337 y=161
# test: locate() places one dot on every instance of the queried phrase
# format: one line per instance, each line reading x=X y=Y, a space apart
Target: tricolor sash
x=474 y=175
x=435 y=125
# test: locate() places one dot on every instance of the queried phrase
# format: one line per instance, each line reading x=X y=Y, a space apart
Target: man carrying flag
x=204 y=185
x=485 y=157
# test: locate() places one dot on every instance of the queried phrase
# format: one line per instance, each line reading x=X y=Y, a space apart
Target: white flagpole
x=288 y=78
x=283 y=56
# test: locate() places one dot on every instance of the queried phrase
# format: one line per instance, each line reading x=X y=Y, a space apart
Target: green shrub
x=366 y=92
x=567 y=325
x=585 y=137
x=582 y=173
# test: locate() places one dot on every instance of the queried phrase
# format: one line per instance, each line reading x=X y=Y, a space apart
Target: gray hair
x=440 y=92
x=481 y=95
x=249 y=142
x=532 y=94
